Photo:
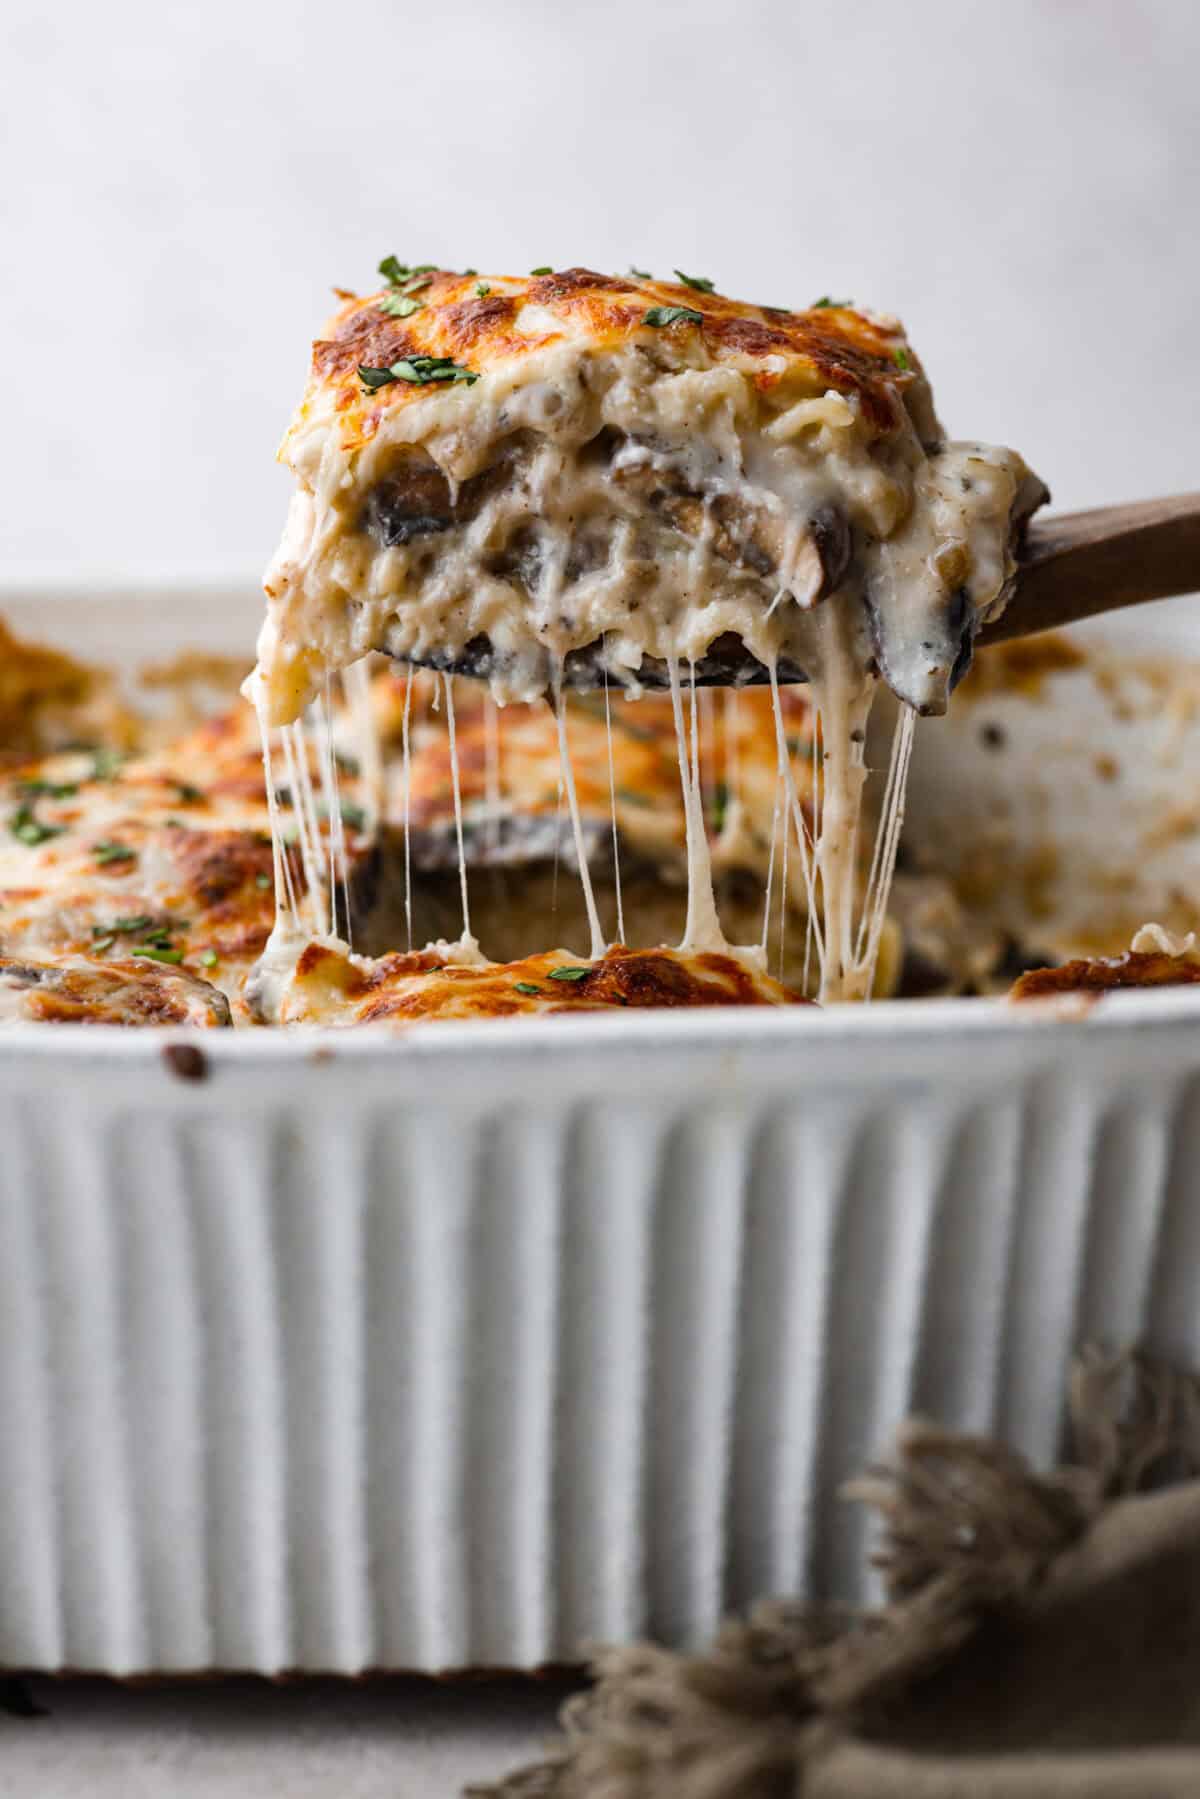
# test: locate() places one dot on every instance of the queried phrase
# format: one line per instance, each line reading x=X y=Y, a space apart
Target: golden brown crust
x=124 y=992
x=1137 y=969
x=830 y=346
x=330 y=988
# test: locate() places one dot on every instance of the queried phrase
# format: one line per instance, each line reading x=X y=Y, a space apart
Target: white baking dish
x=468 y=1348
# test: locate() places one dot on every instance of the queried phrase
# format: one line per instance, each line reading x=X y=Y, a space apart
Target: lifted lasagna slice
x=515 y=476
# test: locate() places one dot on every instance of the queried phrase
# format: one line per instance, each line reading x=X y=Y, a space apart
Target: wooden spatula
x=1082 y=563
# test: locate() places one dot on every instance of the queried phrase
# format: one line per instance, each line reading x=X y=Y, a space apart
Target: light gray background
x=183 y=184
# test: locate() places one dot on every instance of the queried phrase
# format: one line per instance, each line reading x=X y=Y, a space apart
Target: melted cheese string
x=702 y=930
x=468 y=941
x=339 y=868
x=883 y=865
x=491 y=752
x=304 y=811
x=766 y=923
x=612 y=808
x=285 y=892
x=568 y=779
x=406 y=756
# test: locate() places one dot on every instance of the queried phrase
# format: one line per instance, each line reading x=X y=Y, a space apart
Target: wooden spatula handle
x=1081 y=563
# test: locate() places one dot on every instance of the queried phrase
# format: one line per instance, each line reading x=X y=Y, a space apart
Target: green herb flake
x=172 y=956
x=825 y=302
x=105 y=764
x=51 y=790
x=401 y=274
x=102 y=943
x=631 y=797
x=470 y=271
x=701 y=283
x=640 y=274
x=124 y=926
x=353 y=816
x=482 y=288
x=720 y=805
x=191 y=796
x=209 y=959
x=526 y=987
x=660 y=316
x=900 y=358
x=545 y=269
x=263 y=881
x=30 y=830
x=109 y=852
x=400 y=306
x=566 y=973
x=419 y=371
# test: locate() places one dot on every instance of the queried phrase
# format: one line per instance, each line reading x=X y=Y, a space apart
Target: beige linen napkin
x=1041 y=1637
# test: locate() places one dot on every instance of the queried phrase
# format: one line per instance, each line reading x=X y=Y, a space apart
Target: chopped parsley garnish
x=900 y=358
x=102 y=943
x=191 y=796
x=174 y=956
x=566 y=973
x=641 y=274
x=354 y=816
x=105 y=764
x=53 y=790
x=545 y=269
x=263 y=881
x=108 y=852
x=701 y=283
x=631 y=797
x=209 y=959
x=526 y=987
x=401 y=274
x=420 y=371
x=400 y=306
x=482 y=288
x=720 y=805
x=824 y=301
x=30 y=830
x=125 y=926
x=658 y=316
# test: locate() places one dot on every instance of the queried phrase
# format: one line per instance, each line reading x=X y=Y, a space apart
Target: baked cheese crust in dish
x=327 y=985
x=123 y=992
x=1155 y=959
x=501 y=471
x=161 y=859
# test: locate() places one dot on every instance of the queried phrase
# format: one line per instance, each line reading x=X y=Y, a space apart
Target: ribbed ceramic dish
x=471 y=1348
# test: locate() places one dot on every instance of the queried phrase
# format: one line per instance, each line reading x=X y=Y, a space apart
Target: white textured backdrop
x=182 y=185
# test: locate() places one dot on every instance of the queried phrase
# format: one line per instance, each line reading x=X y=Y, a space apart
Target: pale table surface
x=384 y=1739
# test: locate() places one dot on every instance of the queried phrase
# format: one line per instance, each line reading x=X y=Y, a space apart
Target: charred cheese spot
x=1137 y=969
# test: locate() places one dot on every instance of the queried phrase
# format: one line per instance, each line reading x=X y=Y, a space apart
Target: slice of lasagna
x=580 y=479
